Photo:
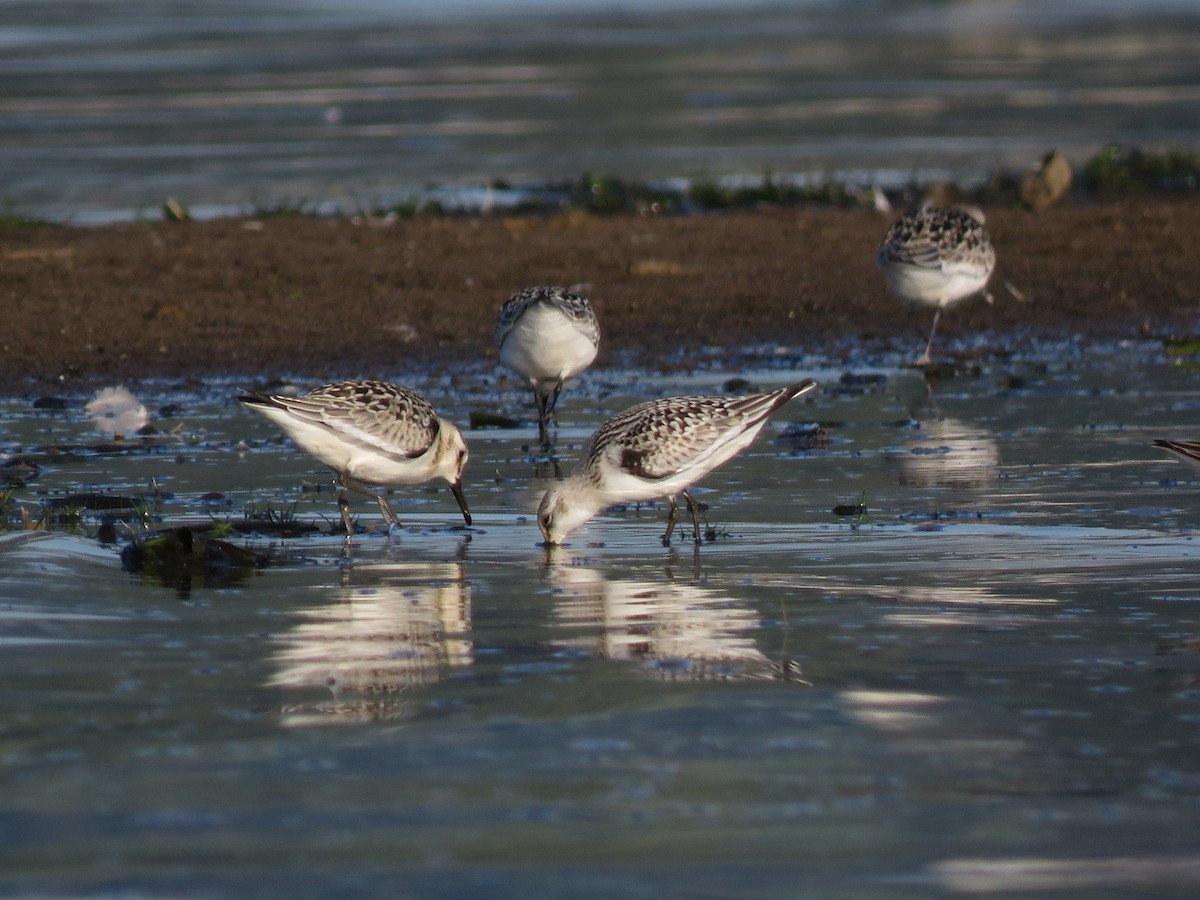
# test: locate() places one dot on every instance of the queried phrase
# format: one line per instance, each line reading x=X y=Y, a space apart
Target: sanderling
x=658 y=449
x=936 y=257
x=546 y=335
x=370 y=432
x=1187 y=451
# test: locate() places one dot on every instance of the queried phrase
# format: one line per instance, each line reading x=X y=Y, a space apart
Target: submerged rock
x=178 y=556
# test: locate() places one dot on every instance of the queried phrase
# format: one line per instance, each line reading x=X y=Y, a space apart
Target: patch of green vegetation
x=267 y=512
x=417 y=206
x=613 y=195
x=605 y=195
x=288 y=208
x=6 y=505
x=221 y=529
x=710 y=195
x=12 y=220
x=1118 y=169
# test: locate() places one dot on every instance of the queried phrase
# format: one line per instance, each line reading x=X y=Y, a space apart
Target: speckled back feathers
x=388 y=417
x=939 y=237
x=576 y=308
x=660 y=438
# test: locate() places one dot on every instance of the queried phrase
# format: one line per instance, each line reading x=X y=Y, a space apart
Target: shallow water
x=985 y=682
x=110 y=107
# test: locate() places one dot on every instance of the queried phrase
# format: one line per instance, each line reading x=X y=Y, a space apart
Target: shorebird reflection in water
x=547 y=335
x=389 y=628
x=937 y=257
x=370 y=433
x=658 y=449
x=675 y=629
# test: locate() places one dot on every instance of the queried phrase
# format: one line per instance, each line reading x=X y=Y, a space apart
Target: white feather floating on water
x=116 y=411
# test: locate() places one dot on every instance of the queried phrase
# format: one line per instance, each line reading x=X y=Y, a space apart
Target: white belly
x=360 y=462
x=921 y=286
x=545 y=346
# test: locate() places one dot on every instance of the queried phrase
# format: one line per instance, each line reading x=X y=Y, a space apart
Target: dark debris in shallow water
x=274 y=527
x=180 y=557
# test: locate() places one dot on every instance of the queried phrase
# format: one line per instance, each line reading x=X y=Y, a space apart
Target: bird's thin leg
x=344 y=507
x=389 y=514
x=552 y=406
x=694 y=509
x=925 y=357
x=672 y=518
x=543 y=415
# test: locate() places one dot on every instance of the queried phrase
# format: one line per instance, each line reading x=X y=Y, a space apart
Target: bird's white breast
x=344 y=454
x=943 y=287
x=544 y=345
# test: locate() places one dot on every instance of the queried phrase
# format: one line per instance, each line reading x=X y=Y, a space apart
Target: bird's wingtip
x=803 y=387
x=256 y=398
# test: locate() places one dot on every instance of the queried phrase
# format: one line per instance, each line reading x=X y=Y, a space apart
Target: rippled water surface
x=984 y=680
x=110 y=107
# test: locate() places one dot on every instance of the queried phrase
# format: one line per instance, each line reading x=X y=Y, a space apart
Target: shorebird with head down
x=370 y=433
x=658 y=449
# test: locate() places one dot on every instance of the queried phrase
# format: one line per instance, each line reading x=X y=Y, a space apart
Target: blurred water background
x=109 y=107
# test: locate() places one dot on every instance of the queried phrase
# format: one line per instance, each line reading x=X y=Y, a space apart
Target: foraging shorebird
x=1186 y=451
x=546 y=335
x=936 y=257
x=370 y=432
x=658 y=449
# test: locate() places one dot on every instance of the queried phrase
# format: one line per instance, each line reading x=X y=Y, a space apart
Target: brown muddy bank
x=334 y=297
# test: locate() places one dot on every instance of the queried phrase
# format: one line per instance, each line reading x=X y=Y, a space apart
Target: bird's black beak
x=457 y=491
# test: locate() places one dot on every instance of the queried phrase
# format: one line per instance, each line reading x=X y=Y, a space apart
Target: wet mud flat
x=317 y=298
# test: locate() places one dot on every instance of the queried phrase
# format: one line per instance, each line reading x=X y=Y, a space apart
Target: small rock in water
x=804 y=436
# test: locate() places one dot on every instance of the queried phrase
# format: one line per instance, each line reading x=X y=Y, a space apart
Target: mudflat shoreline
x=330 y=298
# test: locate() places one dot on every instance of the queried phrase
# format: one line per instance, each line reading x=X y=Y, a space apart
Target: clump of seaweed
x=181 y=556
x=1118 y=169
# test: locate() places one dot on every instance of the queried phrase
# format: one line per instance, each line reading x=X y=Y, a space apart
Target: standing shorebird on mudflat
x=1185 y=451
x=936 y=257
x=370 y=433
x=658 y=449
x=547 y=335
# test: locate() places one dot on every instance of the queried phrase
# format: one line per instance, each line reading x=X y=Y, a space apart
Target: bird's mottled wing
x=388 y=417
x=938 y=238
x=657 y=439
x=579 y=311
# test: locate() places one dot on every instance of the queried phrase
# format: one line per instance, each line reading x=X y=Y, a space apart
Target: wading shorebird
x=658 y=449
x=1185 y=451
x=547 y=335
x=937 y=257
x=370 y=433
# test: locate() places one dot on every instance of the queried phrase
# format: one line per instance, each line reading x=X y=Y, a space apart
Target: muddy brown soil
x=326 y=298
